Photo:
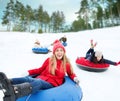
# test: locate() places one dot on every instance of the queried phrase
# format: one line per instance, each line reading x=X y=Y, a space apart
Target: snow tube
x=89 y=66
x=40 y=50
x=68 y=91
x=64 y=43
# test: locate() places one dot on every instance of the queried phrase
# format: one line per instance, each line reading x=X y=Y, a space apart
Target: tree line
x=18 y=17
x=97 y=14
x=92 y=14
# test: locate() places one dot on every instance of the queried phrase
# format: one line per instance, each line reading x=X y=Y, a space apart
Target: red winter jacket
x=56 y=79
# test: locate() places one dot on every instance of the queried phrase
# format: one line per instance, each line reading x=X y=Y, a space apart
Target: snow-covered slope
x=16 y=56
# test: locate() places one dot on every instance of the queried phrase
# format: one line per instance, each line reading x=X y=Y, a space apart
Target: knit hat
x=58 y=45
x=56 y=41
x=98 y=54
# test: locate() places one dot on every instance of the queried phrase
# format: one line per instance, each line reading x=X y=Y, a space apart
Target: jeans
x=89 y=52
x=36 y=83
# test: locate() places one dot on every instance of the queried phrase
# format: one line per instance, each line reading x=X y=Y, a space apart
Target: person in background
x=50 y=74
x=63 y=39
x=37 y=44
x=97 y=56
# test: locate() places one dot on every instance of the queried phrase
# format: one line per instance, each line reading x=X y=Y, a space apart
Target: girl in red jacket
x=50 y=74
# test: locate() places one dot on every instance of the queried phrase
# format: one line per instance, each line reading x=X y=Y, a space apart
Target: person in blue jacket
x=63 y=39
x=97 y=56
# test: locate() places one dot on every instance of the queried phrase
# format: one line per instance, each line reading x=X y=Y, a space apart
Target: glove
x=25 y=74
x=117 y=63
x=76 y=80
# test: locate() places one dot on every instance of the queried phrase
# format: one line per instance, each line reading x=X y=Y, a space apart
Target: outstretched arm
x=111 y=62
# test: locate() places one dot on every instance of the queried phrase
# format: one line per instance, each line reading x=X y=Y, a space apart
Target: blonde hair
x=53 y=64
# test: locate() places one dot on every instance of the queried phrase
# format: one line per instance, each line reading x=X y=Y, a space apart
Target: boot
x=19 y=90
x=22 y=90
x=7 y=88
x=0 y=86
x=93 y=45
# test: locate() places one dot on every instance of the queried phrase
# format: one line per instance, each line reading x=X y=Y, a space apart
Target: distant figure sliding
x=97 y=56
x=62 y=40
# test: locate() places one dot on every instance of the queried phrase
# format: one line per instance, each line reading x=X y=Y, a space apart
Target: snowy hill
x=16 y=56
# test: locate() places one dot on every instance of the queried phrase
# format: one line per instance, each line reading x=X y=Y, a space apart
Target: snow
x=16 y=57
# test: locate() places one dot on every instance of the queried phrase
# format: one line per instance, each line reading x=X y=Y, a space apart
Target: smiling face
x=59 y=52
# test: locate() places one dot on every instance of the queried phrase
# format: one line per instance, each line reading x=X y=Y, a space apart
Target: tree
x=40 y=17
x=57 y=21
x=20 y=20
x=100 y=16
x=46 y=20
x=84 y=11
x=78 y=25
x=8 y=17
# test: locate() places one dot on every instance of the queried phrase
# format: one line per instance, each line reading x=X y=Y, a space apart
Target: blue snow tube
x=40 y=50
x=64 y=44
x=68 y=91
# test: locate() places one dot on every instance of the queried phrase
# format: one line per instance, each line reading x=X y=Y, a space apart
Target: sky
x=16 y=57
x=69 y=7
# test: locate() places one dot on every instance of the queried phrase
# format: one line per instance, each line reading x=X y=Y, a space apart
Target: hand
x=117 y=63
x=76 y=80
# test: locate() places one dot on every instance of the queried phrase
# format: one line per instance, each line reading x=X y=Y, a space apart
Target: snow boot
x=7 y=88
x=12 y=92
x=93 y=44
x=0 y=86
x=23 y=89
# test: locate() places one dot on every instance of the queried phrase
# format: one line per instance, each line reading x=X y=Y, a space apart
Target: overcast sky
x=69 y=7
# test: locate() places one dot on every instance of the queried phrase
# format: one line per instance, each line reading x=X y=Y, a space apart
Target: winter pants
x=89 y=52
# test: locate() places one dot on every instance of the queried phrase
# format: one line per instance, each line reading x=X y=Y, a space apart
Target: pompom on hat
x=56 y=41
x=58 y=45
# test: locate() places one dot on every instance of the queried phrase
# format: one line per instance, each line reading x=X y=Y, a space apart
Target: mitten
x=117 y=63
x=76 y=80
